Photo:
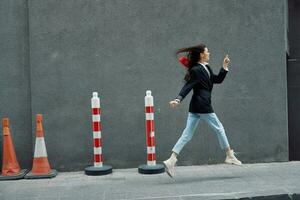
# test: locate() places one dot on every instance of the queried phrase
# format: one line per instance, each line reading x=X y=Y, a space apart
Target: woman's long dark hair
x=193 y=55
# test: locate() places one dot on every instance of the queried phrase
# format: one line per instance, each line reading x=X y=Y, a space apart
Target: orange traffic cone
x=10 y=166
x=40 y=166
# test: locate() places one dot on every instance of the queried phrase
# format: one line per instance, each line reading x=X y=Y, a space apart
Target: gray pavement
x=250 y=181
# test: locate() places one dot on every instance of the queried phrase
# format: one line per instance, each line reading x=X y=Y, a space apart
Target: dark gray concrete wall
x=15 y=77
x=294 y=79
x=122 y=48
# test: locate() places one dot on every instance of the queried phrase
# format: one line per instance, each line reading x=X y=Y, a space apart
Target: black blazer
x=202 y=86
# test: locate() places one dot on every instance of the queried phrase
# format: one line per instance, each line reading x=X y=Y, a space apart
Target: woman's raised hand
x=226 y=62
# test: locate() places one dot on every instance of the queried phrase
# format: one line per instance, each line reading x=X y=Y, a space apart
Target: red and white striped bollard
x=150 y=134
x=96 y=112
x=151 y=167
x=98 y=168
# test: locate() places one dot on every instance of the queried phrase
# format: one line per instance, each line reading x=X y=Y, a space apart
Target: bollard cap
x=148 y=92
x=39 y=117
x=5 y=122
x=95 y=94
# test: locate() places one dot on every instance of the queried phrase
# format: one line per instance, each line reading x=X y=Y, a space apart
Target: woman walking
x=200 y=78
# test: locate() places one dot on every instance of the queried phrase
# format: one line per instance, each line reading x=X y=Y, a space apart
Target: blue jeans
x=191 y=125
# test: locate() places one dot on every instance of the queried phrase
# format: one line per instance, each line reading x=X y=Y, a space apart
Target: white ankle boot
x=231 y=159
x=170 y=166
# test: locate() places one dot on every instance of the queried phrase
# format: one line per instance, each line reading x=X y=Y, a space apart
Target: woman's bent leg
x=218 y=129
x=192 y=122
x=188 y=132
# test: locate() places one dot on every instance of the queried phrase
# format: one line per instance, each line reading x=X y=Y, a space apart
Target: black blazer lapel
x=209 y=77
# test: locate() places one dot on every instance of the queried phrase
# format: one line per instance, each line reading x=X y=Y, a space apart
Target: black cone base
x=98 y=171
x=148 y=169
x=51 y=174
x=14 y=177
